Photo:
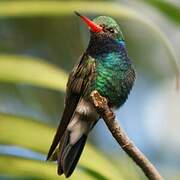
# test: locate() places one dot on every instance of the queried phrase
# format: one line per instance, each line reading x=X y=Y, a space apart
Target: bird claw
x=99 y=101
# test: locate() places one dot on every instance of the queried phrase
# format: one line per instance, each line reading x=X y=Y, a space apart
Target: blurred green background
x=40 y=41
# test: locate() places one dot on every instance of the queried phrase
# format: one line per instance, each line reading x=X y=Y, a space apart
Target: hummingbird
x=105 y=67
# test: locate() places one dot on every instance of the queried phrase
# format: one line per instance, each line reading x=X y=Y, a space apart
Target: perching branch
x=126 y=144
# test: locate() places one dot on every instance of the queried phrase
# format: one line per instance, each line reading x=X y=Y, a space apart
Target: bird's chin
x=96 y=33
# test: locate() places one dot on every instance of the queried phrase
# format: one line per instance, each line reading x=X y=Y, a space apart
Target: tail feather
x=72 y=140
x=63 y=143
x=69 y=154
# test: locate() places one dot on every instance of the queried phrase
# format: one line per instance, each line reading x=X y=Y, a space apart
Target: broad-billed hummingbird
x=105 y=67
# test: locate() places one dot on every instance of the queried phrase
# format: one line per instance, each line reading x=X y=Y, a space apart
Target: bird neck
x=100 y=45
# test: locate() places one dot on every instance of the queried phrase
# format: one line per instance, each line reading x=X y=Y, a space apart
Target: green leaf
x=60 y=8
x=37 y=136
x=31 y=169
x=25 y=132
x=34 y=71
x=167 y=8
x=55 y=8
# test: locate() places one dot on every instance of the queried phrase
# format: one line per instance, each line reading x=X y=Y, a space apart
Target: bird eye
x=111 y=30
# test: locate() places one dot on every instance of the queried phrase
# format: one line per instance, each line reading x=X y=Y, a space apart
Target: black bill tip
x=77 y=14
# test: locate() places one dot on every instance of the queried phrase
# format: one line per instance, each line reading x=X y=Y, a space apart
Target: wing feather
x=77 y=83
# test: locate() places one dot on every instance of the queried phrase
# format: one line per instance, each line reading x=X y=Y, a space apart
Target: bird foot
x=101 y=104
x=99 y=101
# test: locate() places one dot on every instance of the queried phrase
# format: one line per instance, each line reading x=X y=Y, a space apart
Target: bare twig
x=127 y=145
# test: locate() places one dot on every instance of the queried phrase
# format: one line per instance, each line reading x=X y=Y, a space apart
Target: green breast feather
x=114 y=78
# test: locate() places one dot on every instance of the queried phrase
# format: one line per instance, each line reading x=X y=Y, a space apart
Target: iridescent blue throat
x=121 y=43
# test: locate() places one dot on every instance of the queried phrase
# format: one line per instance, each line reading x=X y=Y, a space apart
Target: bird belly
x=83 y=120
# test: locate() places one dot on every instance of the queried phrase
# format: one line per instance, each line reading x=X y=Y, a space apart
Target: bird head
x=103 y=26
